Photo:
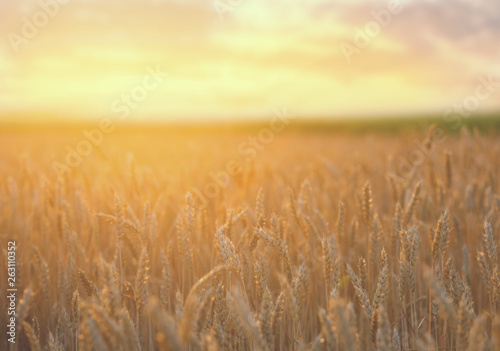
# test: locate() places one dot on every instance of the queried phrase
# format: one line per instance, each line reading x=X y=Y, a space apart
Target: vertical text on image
x=11 y=291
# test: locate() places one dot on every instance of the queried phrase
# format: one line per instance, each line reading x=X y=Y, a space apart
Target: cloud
x=430 y=53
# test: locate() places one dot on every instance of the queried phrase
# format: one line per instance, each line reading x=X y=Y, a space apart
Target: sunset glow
x=239 y=59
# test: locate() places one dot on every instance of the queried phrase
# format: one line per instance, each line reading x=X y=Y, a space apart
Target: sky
x=174 y=60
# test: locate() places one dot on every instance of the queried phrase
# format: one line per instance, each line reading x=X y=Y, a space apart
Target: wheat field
x=321 y=241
